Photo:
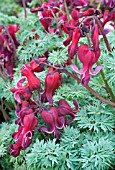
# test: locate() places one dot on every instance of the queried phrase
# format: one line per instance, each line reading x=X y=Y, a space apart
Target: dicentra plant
x=61 y=64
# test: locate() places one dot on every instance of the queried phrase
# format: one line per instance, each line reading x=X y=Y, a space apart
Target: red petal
x=95 y=38
x=74 y=45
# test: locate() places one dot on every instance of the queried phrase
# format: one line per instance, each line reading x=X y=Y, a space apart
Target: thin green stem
x=75 y=60
x=109 y=90
x=109 y=49
x=88 y=39
x=58 y=25
x=67 y=11
x=59 y=10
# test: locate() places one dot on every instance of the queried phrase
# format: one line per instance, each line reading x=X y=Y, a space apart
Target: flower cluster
x=31 y=98
x=28 y=107
x=8 y=45
x=79 y=25
x=109 y=3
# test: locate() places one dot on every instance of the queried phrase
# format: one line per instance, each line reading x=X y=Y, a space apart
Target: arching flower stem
x=79 y=81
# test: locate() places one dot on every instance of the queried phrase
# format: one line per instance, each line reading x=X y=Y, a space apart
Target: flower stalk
x=89 y=88
x=24 y=6
x=103 y=33
x=109 y=90
x=67 y=11
x=79 y=81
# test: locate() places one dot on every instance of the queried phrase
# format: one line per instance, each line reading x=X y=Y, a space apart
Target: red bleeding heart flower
x=33 y=81
x=65 y=109
x=88 y=57
x=108 y=16
x=75 y=15
x=74 y=45
x=45 y=15
x=37 y=64
x=24 y=110
x=24 y=135
x=12 y=29
x=95 y=39
x=110 y=3
x=51 y=118
x=52 y=82
x=55 y=117
x=81 y=3
x=21 y=90
x=89 y=12
x=7 y=48
x=68 y=28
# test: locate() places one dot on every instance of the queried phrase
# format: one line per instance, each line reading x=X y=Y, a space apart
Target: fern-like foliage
x=97 y=154
x=44 y=155
x=109 y=66
x=5 y=137
x=96 y=118
x=30 y=47
x=11 y=8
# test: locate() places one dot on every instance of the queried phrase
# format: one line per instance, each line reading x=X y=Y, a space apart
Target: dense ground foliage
x=57 y=85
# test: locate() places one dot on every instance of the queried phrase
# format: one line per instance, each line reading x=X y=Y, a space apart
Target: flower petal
x=97 y=70
x=75 y=68
x=20 y=82
x=17 y=96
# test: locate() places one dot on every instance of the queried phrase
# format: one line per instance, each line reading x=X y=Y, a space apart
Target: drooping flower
x=33 y=81
x=45 y=15
x=68 y=28
x=51 y=118
x=88 y=57
x=89 y=12
x=75 y=15
x=52 y=82
x=108 y=16
x=25 y=91
x=8 y=48
x=24 y=104
x=65 y=109
x=24 y=135
x=110 y=3
x=55 y=117
x=24 y=110
x=81 y=3
x=95 y=39
x=74 y=45
x=12 y=29
x=37 y=64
